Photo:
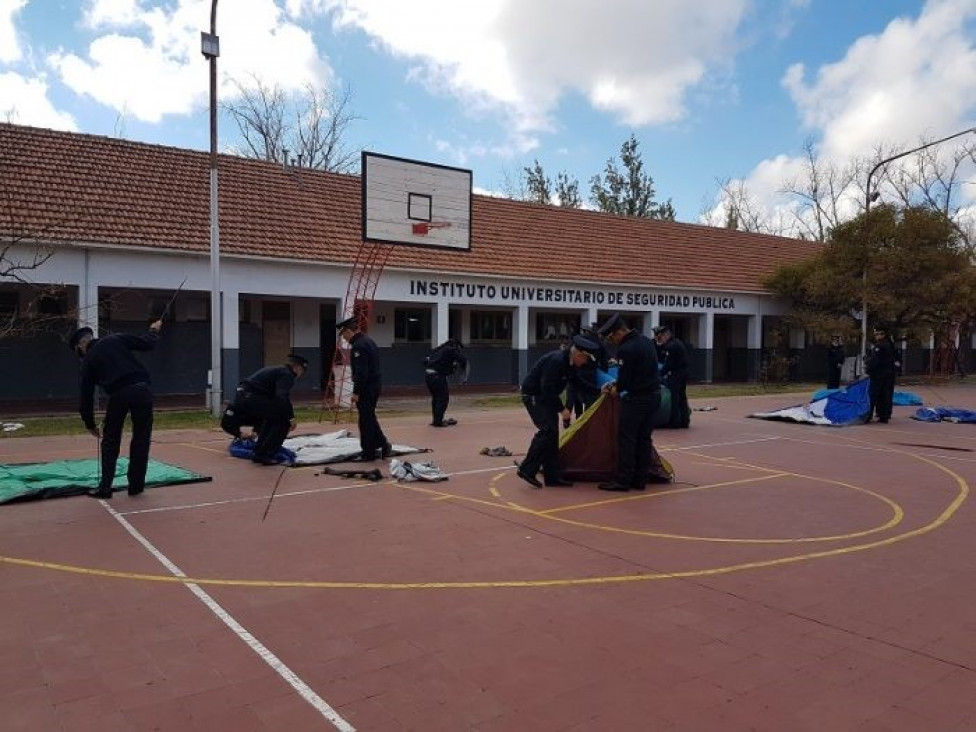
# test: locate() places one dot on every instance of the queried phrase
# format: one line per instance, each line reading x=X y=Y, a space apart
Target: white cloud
x=916 y=78
x=634 y=59
x=914 y=81
x=24 y=101
x=148 y=62
x=10 y=50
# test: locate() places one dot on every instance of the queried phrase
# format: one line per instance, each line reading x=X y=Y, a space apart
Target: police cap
x=616 y=322
x=298 y=360
x=583 y=343
x=76 y=337
x=349 y=323
x=661 y=329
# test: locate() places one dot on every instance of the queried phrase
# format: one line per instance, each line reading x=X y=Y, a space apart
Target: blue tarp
x=944 y=414
x=838 y=408
x=900 y=399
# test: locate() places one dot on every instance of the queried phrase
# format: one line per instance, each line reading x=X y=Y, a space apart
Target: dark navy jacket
x=637 y=366
x=548 y=379
x=111 y=364
x=446 y=360
x=365 y=362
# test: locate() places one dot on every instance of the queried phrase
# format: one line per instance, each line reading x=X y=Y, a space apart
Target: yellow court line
x=896 y=517
x=657 y=493
x=941 y=519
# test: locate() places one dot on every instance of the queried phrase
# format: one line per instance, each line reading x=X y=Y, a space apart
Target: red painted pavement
x=794 y=578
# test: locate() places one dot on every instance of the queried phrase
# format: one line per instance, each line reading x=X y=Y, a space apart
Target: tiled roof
x=68 y=187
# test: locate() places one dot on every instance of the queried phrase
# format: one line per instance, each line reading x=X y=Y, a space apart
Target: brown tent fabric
x=588 y=449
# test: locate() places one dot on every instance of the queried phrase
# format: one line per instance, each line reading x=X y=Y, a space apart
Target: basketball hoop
x=422 y=228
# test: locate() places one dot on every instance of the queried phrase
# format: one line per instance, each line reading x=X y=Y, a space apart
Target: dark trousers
x=440 y=396
x=634 y=438
x=833 y=376
x=137 y=400
x=371 y=437
x=882 y=393
x=270 y=417
x=543 y=451
x=680 y=411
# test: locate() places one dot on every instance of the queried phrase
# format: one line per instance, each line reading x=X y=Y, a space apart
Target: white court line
x=721 y=444
x=289 y=494
x=303 y=689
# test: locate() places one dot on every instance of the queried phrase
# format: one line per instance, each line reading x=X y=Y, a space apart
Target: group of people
x=572 y=370
x=262 y=401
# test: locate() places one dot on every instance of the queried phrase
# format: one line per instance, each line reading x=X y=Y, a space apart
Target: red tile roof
x=67 y=187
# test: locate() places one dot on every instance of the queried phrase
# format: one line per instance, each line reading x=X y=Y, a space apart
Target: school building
x=107 y=230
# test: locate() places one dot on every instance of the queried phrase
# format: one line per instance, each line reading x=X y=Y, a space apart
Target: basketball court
x=793 y=577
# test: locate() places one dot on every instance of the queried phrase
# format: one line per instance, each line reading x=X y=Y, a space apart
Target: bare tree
x=309 y=127
x=818 y=194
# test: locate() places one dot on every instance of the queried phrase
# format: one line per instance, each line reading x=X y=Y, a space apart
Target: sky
x=713 y=90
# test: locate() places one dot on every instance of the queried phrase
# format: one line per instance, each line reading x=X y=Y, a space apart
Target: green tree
x=910 y=265
x=539 y=188
x=628 y=191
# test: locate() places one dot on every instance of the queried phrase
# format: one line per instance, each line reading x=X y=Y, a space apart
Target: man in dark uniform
x=263 y=401
x=542 y=392
x=639 y=387
x=366 y=387
x=880 y=366
x=673 y=357
x=443 y=361
x=835 y=362
x=109 y=362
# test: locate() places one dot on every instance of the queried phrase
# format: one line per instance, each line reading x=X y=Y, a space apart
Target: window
x=9 y=304
x=491 y=326
x=553 y=326
x=52 y=303
x=411 y=325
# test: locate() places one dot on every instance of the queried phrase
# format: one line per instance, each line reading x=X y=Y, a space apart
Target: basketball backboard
x=412 y=202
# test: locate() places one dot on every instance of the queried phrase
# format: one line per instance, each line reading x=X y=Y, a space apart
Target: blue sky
x=713 y=90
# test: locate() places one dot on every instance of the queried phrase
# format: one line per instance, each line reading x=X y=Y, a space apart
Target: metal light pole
x=210 y=46
x=869 y=198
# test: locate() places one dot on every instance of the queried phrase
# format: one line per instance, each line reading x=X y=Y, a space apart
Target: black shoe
x=363 y=457
x=437 y=424
x=261 y=460
x=883 y=421
x=136 y=491
x=530 y=479
x=638 y=487
x=387 y=450
x=559 y=483
x=104 y=494
x=614 y=486
x=450 y=421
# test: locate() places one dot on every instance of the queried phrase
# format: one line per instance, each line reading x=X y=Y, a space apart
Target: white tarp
x=333 y=447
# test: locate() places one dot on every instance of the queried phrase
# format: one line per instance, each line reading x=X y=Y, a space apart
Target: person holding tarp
x=639 y=388
x=673 y=358
x=110 y=363
x=880 y=366
x=443 y=361
x=263 y=401
x=542 y=392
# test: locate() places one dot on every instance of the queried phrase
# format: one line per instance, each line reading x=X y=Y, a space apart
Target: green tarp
x=72 y=477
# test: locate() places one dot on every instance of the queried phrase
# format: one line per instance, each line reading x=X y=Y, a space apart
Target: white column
x=442 y=321
x=706 y=330
x=754 y=333
x=520 y=334
x=88 y=297
x=231 y=330
x=590 y=315
x=649 y=322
